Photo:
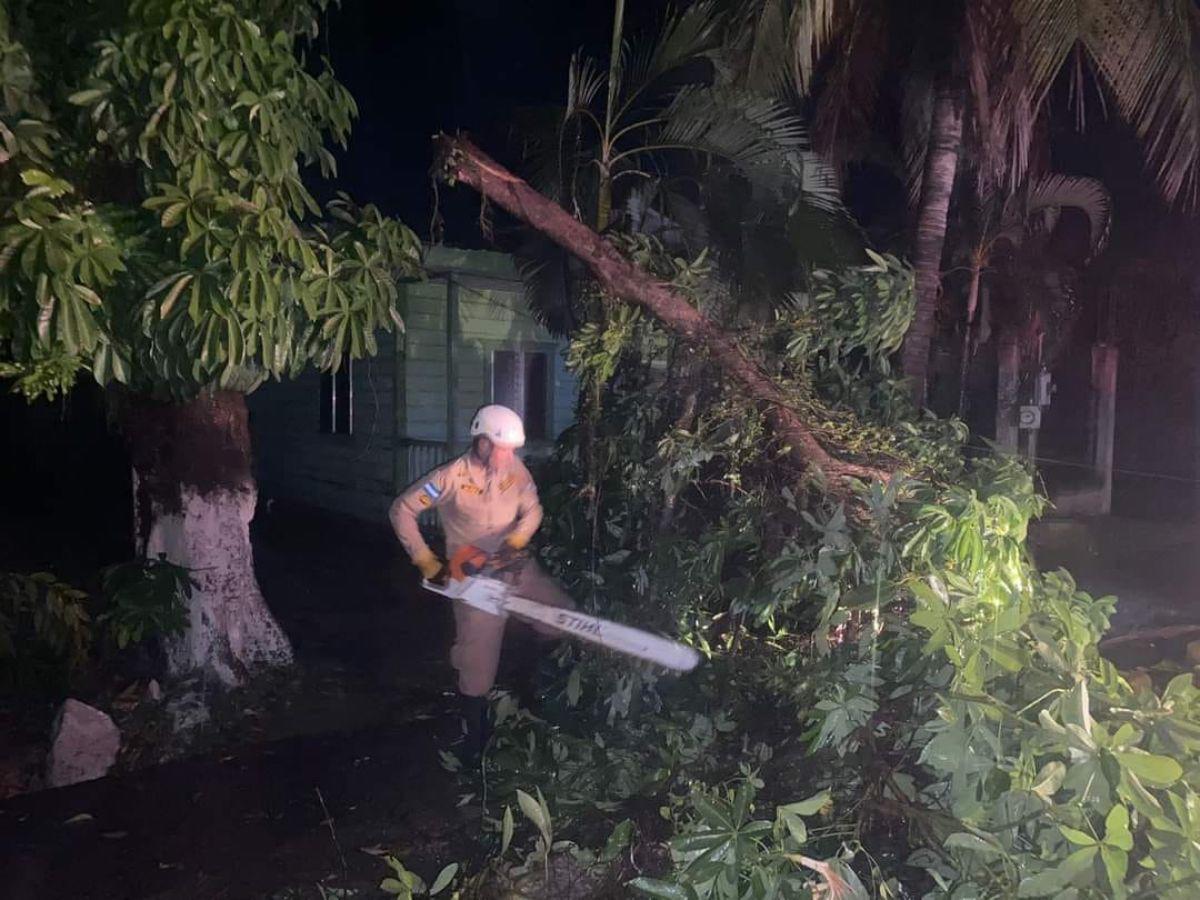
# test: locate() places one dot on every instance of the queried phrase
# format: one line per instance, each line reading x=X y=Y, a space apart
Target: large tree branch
x=461 y=161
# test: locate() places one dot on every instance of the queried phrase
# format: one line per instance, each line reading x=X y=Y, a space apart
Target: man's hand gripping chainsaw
x=487 y=583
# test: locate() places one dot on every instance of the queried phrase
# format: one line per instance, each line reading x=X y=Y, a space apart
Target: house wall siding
x=349 y=474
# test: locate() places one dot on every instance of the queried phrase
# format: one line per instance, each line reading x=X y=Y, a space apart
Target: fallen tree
x=459 y=160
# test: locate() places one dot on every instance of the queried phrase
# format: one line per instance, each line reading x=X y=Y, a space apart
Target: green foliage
x=144 y=598
x=50 y=631
x=866 y=308
x=896 y=653
x=48 y=374
x=720 y=852
x=45 y=630
x=1053 y=763
x=406 y=885
x=156 y=228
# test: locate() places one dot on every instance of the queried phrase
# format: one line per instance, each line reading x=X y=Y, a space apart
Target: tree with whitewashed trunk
x=156 y=232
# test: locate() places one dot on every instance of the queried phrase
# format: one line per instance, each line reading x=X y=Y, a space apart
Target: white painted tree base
x=231 y=630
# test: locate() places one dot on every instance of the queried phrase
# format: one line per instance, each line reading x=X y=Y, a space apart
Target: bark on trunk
x=460 y=160
x=194 y=497
x=941 y=165
x=964 y=362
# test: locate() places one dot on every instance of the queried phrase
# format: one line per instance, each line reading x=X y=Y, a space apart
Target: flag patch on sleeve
x=432 y=490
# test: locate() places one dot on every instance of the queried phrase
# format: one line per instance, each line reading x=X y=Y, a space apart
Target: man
x=485 y=499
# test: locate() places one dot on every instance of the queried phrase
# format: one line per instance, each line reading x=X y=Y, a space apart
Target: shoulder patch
x=432 y=490
x=507 y=483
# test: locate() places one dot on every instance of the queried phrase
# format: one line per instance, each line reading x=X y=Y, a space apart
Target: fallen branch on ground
x=461 y=161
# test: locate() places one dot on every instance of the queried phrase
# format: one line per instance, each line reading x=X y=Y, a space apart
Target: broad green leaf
x=1005 y=655
x=711 y=813
x=1077 y=837
x=1043 y=884
x=443 y=879
x=392 y=886
x=1161 y=771
x=964 y=840
x=704 y=841
x=1116 y=829
x=621 y=835
x=1116 y=863
x=661 y=890
x=796 y=828
x=574 y=687
x=533 y=812
x=817 y=803
x=1076 y=864
x=506 y=830
x=83 y=98
x=164 y=309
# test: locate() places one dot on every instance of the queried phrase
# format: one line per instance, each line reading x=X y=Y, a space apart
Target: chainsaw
x=484 y=584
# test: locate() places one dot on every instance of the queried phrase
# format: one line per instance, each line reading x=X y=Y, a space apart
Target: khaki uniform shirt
x=475 y=506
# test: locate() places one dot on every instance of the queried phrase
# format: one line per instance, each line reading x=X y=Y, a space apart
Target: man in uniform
x=486 y=499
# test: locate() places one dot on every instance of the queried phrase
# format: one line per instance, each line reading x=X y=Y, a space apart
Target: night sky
x=416 y=68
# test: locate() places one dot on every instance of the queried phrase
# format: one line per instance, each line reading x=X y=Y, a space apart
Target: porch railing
x=415 y=457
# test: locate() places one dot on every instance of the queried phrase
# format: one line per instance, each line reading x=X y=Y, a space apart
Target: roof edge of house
x=489 y=263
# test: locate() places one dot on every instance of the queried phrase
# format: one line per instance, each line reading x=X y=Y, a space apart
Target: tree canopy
x=155 y=226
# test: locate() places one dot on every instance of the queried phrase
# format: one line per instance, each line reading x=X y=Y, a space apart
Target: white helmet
x=500 y=425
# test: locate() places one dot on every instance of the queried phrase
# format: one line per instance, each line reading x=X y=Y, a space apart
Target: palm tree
x=644 y=140
x=657 y=99
x=977 y=75
x=1010 y=222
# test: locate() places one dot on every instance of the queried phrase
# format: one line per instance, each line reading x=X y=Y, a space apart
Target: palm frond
x=758 y=35
x=810 y=30
x=1150 y=61
x=844 y=120
x=1051 y=194
x=684 y=36
x=544 y=268
x=1145 y=54
x=1004 y=112
x=740 y=127
x=816 y=182
x=552 y=150
x=584 y=80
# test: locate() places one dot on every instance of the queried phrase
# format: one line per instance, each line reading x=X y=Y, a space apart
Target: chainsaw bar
x=497 y=598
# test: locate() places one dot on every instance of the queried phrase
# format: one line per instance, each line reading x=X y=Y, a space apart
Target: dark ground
x=1152 y=566
x=361 y=723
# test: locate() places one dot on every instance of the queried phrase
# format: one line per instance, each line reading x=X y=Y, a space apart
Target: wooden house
x=349 y=442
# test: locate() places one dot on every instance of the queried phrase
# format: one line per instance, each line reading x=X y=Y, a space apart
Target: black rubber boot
x=478 y=729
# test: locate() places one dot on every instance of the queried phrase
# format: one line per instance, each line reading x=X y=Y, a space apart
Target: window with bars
x=337 y=399
x=521 y=381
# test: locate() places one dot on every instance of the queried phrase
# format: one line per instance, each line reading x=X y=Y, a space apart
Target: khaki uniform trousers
x=478 y=636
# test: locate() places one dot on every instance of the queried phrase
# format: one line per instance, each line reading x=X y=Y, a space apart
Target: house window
x=520 y=381
x=337 y=399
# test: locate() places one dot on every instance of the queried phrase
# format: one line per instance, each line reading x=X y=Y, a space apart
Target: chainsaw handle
x=467 y=561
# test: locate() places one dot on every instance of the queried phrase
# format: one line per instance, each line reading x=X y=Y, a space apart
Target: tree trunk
x=460 y=160
x=194 y=497
x=941 y=165
x=964 y=362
